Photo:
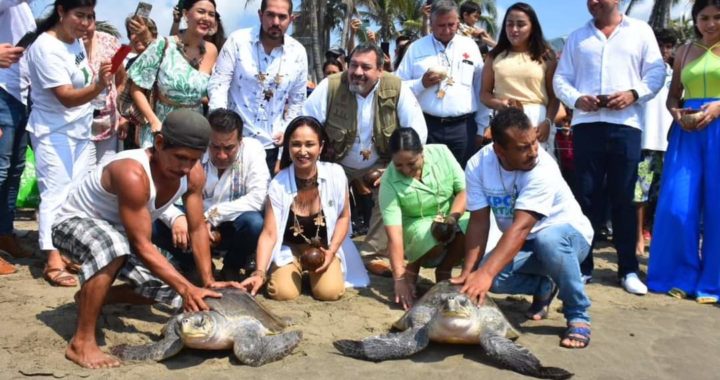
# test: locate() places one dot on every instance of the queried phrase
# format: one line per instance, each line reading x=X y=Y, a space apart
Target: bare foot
x=90 y=356
x=577 y=335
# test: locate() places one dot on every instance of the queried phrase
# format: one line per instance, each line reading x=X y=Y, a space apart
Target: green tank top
x=701 y=76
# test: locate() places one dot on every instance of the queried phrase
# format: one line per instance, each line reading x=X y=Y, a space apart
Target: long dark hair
x=303 y=121
x=540 y=51
x=697 y=7
x=47 y=23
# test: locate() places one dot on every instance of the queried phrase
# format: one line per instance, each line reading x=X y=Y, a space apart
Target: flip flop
x=706 y=299
x=677 y=293
x=577 y=333
x=541 y=307
x=61 y=277
x=70 y=266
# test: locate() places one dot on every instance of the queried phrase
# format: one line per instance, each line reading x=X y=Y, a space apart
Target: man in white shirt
x=545 y=234
x=235 y=189
x=607 y=70
x=360 y=108
x=444 y=72
x=259 y=73
x=16 y=19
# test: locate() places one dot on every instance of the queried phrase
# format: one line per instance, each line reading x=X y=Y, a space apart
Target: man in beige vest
x=360 y=109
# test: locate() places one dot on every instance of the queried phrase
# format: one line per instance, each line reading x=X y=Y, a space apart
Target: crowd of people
x=451 y=144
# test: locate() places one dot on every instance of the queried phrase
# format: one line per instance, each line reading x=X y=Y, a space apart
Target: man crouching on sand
x=106 y=227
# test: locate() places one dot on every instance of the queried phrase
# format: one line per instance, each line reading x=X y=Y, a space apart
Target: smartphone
x=26 y=40
x=385 y=46
x=143 y=10
x=119 y=57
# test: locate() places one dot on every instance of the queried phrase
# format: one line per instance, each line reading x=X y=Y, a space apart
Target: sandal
x=541 y=307
x=706 y=299
x=677 y=293
x=578 y=334
x=70 y=266
x=59 y=277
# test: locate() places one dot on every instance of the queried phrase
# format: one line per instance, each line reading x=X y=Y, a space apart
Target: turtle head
x=457 y=306
x=197 y=328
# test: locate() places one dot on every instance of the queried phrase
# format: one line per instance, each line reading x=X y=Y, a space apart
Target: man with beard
x=259 y=73
x=608 y=70
x=545 y=235
x=235 y=189
x=444 y=71
x=360 y=109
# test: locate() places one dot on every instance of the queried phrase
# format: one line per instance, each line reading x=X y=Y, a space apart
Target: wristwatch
x=635 y=94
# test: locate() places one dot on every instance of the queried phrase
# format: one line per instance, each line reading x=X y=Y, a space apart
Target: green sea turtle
x=236 y=322
x=445 y=315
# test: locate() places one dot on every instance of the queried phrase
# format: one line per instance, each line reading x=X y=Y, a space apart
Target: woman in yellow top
x=423 y=186
x=521 y=68
x=690 y=186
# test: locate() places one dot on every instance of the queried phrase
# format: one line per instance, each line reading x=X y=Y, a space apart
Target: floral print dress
x=180 y=84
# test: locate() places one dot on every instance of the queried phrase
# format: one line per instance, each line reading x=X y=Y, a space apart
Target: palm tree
x=660 y=14
x=488 y=20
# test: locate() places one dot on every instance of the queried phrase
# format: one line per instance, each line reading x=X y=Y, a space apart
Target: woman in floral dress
x=179 y=66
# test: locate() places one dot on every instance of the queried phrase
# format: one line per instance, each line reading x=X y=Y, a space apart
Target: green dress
x=177 y=81
x=413 y=204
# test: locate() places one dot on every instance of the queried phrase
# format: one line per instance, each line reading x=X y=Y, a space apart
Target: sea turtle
x=446 y=315
x=236 y=322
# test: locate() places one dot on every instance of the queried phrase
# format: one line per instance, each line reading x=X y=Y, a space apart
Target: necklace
x=183 y=49
x=269 y=88
x=298 y=230
x=306 y=183
x=513 y=195
x=444 y=61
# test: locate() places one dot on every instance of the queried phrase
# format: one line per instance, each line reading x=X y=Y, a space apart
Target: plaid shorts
x=95 y=243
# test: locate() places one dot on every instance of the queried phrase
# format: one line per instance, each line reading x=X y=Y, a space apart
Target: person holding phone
x=107 y=125
x=16 y=20
x=178 y=66
x=616 y=55
x=62 y=88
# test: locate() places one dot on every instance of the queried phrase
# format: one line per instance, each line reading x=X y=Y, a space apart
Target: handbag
x=125 y=104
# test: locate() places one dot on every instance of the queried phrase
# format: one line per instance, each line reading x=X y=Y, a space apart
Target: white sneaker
x=633 y=285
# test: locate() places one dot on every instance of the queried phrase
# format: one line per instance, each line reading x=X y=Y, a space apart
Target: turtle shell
x=371 y=177
x=312 y=258
x=237 y=303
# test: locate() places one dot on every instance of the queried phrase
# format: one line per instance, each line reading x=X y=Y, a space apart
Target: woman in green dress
x=422 y=198
x=179 y=66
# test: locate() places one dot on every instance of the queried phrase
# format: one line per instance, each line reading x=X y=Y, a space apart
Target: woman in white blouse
x=307 y=207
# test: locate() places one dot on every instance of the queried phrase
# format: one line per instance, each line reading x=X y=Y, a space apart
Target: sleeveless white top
x=88 y=199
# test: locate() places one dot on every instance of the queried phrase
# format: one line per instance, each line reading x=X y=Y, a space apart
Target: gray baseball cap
x=186 y=128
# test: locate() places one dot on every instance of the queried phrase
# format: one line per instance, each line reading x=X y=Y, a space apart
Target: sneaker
x=632 y=284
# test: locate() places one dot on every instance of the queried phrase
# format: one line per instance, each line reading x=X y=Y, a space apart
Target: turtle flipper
x=254 y=348
x=168 y=346
x=517 y=358
x=386 y=347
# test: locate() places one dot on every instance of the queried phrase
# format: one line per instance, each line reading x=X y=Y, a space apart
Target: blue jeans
x=555 y=252
x=609 y=154
x=13 y=143
x=239 y=240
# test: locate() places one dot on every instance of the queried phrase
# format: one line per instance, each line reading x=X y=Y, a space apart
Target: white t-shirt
x=656 y=117
x=541 y=190
x=53 y=63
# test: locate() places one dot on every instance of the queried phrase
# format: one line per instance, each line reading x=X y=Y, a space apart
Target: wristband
x=635 y=94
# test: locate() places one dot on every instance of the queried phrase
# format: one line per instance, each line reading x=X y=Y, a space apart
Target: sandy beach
x=650 y=337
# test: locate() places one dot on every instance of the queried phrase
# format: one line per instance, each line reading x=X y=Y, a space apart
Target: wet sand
x=650 y=337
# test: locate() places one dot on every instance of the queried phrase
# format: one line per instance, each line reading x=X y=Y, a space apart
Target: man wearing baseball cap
x=106 y=226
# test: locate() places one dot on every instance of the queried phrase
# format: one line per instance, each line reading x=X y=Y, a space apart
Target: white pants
x=60 y=161
x=537 y=114
x=102 y=151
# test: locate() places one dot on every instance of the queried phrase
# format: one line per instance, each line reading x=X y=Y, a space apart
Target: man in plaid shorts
x=106 y=226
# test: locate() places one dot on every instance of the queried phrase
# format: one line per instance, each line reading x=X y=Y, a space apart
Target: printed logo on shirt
x=502 y=204
x=79 y=57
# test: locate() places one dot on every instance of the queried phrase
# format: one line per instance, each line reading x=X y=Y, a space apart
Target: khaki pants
x=286 y=282
x=376 y=240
